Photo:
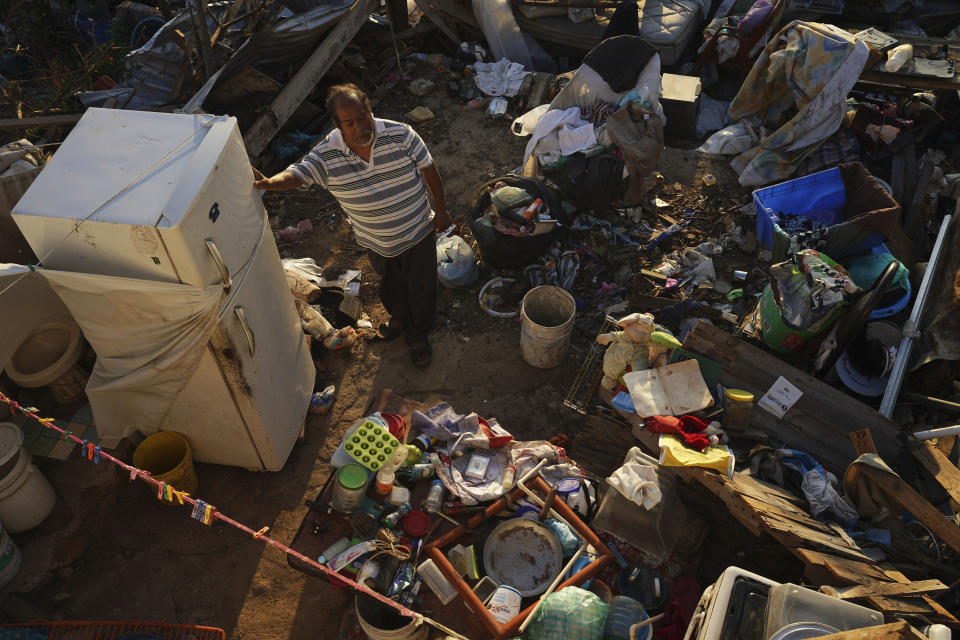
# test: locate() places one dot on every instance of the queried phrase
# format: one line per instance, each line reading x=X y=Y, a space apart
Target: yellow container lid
x=739 y=395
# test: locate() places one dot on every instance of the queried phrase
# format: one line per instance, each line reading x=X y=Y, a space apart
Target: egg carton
x=371 y=445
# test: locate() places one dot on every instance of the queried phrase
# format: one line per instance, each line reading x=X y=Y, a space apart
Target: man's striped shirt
x=385 y=199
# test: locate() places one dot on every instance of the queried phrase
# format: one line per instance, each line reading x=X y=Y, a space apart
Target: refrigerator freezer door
x=148 y=190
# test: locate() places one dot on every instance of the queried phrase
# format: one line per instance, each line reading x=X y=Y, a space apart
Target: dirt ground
x=124 y=555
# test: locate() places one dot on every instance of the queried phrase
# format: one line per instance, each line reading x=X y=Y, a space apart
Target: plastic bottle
x=334 y=550
x=624 y=613
x=509 y=473
x=435 y=498
x=897 y=57
x=385 y=477
x=476 y=103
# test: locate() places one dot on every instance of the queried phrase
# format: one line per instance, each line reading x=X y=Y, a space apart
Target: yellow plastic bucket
x=168 y=458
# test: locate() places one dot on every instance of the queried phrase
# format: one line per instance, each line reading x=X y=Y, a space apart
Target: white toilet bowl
x=39 y=340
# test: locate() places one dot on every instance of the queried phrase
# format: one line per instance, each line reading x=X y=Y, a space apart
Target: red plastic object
x=395 y=424
x=416 y=524
x=495 y=440
x=108 y=630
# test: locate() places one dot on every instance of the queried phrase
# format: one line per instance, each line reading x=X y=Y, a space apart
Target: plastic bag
x=526 y=124
x=571 y=614
x=456 y=263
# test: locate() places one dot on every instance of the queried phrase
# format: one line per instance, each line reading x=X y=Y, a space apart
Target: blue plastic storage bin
x=813 y=193
x=845 y=194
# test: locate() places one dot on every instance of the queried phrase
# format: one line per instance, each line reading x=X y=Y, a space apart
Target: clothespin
x=261 y=533
x=202 y=512
x=66 y=434
x=162 y=491
x=96 y=453
x=84 y=450
x=134 y=472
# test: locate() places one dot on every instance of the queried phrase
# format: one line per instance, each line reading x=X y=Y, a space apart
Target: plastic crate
x=813 y=193
x=849 y=192
x=110 y=630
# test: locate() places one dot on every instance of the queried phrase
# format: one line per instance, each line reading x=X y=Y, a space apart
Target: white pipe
x=937 y=433
x=576 y=556
x=644 y=623
x=911 y=329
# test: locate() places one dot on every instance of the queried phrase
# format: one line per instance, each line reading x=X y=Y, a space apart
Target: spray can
x=392 y=519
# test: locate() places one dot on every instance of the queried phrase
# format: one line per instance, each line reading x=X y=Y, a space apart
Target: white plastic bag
x=526 y=124
x=456 y=263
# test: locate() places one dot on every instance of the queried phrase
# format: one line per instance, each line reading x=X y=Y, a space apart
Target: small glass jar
x=349 y=488
x=737 y=408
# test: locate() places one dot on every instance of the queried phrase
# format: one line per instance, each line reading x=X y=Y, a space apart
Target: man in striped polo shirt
x=380 y=172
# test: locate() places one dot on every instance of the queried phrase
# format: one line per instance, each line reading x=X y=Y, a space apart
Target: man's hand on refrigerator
x=260 y=181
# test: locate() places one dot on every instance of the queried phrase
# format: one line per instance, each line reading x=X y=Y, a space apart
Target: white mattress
x=666 y=24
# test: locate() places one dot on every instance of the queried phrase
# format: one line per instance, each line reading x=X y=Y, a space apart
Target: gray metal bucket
x=546 y=322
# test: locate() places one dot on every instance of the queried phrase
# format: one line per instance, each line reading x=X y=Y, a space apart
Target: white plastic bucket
x=10 y=558
x=546 y=322
x=26 y=497
x=382 y=623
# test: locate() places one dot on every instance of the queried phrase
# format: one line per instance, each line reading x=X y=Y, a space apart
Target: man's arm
x=431 y=177
x=280 y=182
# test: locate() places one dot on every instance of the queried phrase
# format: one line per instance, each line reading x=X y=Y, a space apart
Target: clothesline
x=206 y=515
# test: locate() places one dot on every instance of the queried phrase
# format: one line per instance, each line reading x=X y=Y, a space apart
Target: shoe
x=421 y=354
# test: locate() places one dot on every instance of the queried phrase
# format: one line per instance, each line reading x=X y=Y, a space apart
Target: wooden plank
x=198 y=15
x=893 y=631
x=939 y=466
x=820 y=421
x=38 y=122
x=792 y=535
x=892 y=589
x=303 y=82
x=746 y=483
x=456 y=11
x=862 y=442
x=904 y=496
x=438 y=20
x=843 y=569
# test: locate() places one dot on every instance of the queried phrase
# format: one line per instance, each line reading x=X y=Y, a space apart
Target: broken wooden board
x=305 y=80
x=939 y=466
x=39 y=122
x=916 y=588
x=892 y=631
x=904 y=496
x=820 y=421
x=435 y=17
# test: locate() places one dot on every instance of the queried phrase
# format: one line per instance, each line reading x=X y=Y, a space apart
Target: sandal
x=421 y=354
x=388 y=331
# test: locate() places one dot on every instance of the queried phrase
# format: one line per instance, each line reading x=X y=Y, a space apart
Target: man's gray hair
x=341 y=93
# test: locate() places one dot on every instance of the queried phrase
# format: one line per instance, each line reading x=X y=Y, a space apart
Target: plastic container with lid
x=789 y=603
x=624 y=613
x=349 y=488
x=737 y=408
x=437 y=582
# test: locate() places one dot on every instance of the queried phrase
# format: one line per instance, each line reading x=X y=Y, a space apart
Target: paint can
x=504 y=604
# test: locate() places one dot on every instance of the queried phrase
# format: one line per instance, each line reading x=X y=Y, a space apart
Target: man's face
x=356 y=124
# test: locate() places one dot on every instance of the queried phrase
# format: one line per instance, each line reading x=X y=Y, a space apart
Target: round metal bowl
x=523 y=554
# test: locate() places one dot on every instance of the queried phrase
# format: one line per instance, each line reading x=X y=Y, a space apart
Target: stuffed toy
x=638 y=347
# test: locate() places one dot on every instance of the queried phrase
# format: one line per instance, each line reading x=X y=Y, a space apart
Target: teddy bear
x=634 y=347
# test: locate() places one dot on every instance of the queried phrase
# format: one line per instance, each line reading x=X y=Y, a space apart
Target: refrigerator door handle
x=221 y=266
x=247 y=331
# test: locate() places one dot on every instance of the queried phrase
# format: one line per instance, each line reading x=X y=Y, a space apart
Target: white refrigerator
x=170 y=198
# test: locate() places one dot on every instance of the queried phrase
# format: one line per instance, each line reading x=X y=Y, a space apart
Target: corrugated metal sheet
x=154 y=66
